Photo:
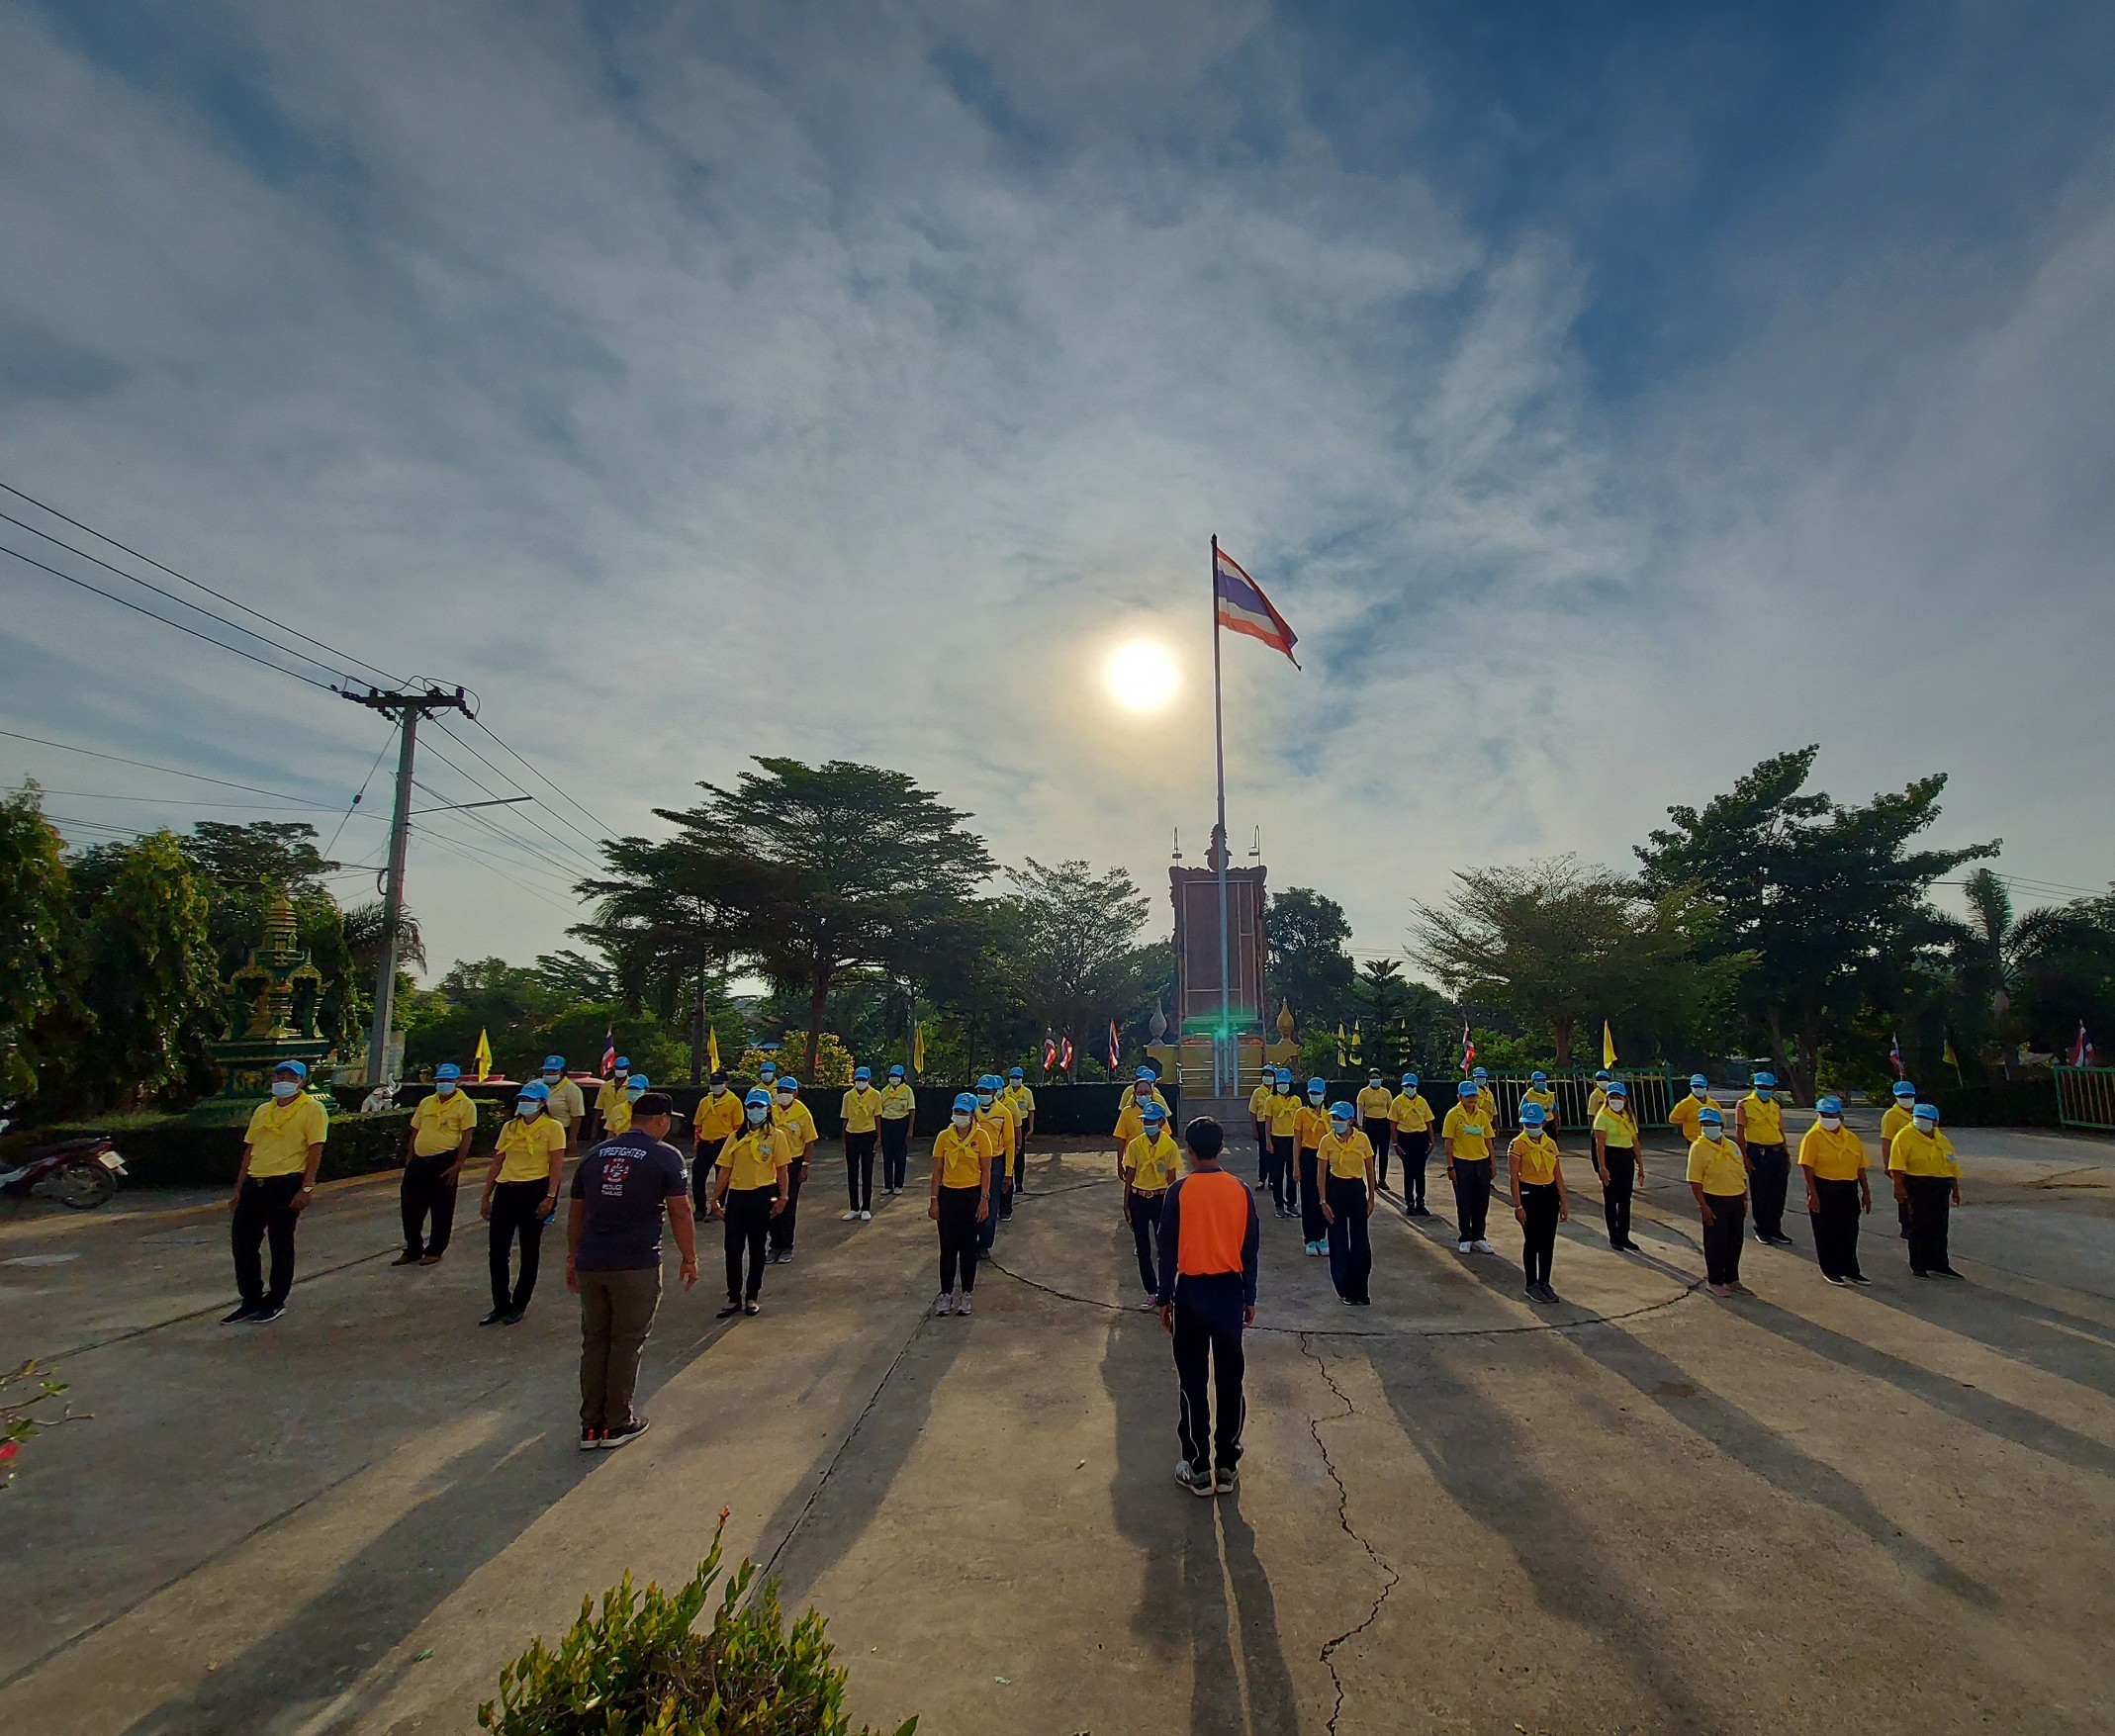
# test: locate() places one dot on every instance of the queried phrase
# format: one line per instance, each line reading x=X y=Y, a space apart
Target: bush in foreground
x=637 y=1668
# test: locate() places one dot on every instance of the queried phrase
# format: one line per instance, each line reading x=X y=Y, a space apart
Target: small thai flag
x=1065 y=1055
x=1116 y=1051
x=1243 y=609
x=609 y=1051
x=1894 y=1056
x=1049 y=1054
x=2082 y=1052
x=1468 y=1049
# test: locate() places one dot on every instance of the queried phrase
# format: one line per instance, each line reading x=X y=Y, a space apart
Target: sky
x=1610 y=396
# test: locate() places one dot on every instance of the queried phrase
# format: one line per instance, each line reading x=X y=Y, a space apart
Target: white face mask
x=444 y=1087
x=528 y=1110
x=756 y=1112
x=1711 y=1132
x=785 y=1100
x=719 y=1090
x=283 y=1089
x=983 y=1099
x=962 y=1121
x=1925 y=1124
x=861 y=1085
x=622 y=1074
x=1341 y=1128
x=1832 y=1121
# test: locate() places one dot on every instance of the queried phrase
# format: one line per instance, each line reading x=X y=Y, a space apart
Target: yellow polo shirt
x=1621 y=1129
x=1284 y=1115
x=861 y=1110
x=1716 y=1166
x=1893 y=1122
x=1683 y=1117
x=898 y=1102
x=754 y=1158
x=1129 y=1124
x=1912 y=1153
x=1763 y=1121
x=1373 y=1103
x=280 y=1134
x=1022 y=1101
x=959 y=1157
x=718 y=1118
x=439 y=1123
x=526 y=1147
x=566 y=1105
x=1311 y=1127
x=1259 y=1102
x=617 y=1117
x=997 y=1126
x=1468 y=1129
x=1832 y=1156
x=608 y=1094
x=1537 y=1154
x=798 y=1124
x=1153 y=1163
x=1596 y=1101
x=1545 y=1099
x=1410 y=1112
x=1345 y=1157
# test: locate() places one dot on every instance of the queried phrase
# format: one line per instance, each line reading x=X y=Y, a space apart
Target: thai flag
x=1468 y=1049
x=2082 y=1052
x=1894 y=1056
x=609 y=1051
x=1050 y=1053
x=1116 y=1048
x=1243 y=609
x=1065 y=1055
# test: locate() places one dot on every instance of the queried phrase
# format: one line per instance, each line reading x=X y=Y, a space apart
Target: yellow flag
x=713 y=1049
x=1356 y=1040
x=484 y=1056
x=1951 y=1058
x=1607 y=1046
x=918 y=1049
x=1340 y=1060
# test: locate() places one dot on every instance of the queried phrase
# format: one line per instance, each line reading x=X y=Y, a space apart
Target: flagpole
x=1221 y=1086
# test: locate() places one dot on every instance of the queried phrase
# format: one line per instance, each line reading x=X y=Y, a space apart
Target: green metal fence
x=2085 y=1098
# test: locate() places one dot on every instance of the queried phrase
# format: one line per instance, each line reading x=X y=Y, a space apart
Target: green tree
x=1559 y=944
x=1830 y=898
x=1308 y=965
x=1079 y=958
x=38 y=967
x=802 y=871
x=1408 y=1024
x=2064 y=959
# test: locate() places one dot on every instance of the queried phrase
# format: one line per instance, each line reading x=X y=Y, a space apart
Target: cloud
x=696 y=382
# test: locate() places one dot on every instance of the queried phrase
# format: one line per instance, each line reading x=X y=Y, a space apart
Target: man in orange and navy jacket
x=1209 y=1234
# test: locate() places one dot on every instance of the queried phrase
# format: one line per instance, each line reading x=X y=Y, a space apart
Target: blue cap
x=1530 y=1115
x=1707 y=1114
x=965 y=1099
x=447 y=1071
x=1829 y=1105
x=1149 y=1067
x=786 y=1082
x=1017 y=1072
x=1927 y=1111
x=1152 y=1111
x=859 y=1073
x=1765 y=1081
x=300 y=1069
x=1538 y=1078
x=1313 y=1085
x=896 y=1071
x=1616 y=1088
x=756 y=1098
x=1479 y=1073
x=624 y=1061
x=1341 y=1111
x=1903 y=1088
x=1467 y=1088
x=1145 y=1075
x=1285 y=1077
x=551 y=1061
x=1410 y=1082
x=534 y=1091
x=637 y=1082
x=1602 y=1073
x=1699 y=1083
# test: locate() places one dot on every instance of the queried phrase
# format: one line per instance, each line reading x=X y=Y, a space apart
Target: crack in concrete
x=1390 y=1577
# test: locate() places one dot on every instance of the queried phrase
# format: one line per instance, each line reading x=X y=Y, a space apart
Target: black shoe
x=624 y=1434
x=266 y=1314
x=497 y=1318
x=515 y=1316
x=1860 y=1278
x=1224 y=1480
x=733 y=1307
x=406 y=1258
x=239 y=1312
x=589 y=1439
x=752 y=1308
x=1945 y=1272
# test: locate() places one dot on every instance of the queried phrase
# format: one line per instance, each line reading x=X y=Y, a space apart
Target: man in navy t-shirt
x=621 y=1191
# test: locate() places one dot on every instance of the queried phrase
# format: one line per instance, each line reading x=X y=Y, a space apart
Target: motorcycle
x=80 y=1173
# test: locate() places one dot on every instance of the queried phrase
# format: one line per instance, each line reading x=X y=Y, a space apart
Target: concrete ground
x=1885 y=1509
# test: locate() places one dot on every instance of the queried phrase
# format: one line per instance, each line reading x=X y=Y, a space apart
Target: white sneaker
x=865 y=1217
x=944 y=1302
x=1485 y=1247
x=1462 y=1247
x=850 y=1218
x=962 y=1307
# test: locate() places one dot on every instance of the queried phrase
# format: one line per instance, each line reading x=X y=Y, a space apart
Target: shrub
x=637 y=1668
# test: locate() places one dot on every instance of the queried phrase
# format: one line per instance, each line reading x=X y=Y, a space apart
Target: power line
x=607 y=829
x=465 y=851
x=179 y=803
x=146 y=765
x=516 y=782
x=557 y=884
x=358 y=794
x=485 y=823
x=484 y=789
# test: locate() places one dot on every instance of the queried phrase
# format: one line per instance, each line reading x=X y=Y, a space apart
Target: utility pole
x=407 y=708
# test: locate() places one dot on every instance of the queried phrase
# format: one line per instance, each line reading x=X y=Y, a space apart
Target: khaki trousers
x=617 y=1311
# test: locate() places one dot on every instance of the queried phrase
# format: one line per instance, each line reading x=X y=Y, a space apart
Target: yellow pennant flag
x=713 y=1049
x=918 y=1049
x=484 y=1056
x=1340 y=1060
x=1607 y=1046
x=1356 y=1054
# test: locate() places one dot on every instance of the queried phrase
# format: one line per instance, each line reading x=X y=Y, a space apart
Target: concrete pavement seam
x=1391 y=1578
x=196 y=1314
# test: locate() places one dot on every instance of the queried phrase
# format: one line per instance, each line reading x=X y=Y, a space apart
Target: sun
x=1142 y=675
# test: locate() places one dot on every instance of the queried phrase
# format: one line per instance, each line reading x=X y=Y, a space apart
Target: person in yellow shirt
x=1759 y=1129
x=1899 y=1116
x=1539 y=1202
x=274 y=1183
x=1412 y=1118
x=567 y=1107
x=1619 y=1161
x=1259 y=1119
x=1373 y=1103
x=1718 y=1177
x=1543 y=1096
x=1927 y=1179
x=521 y=1189
x=608 y=1095
x=623 y=1105
x=1345 y=1162
x=1598 y=1098
x=1283 y=1121
x=960 y=1201
x=792 y=1118
x=1683 y=1117
x=1486 y=1094
x=716 y=1120
x=1308 y=1133
x=997 y=1123
x=1151 y=1162
x=443 y=1125
x=1020 y=1103
x=860 y=1108
x=1466 y=1135
x=1145 y=1088
x=900 y=1109
x=1834 y=1159
x=750 y=1185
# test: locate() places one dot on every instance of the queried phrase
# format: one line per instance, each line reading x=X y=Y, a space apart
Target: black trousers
x=958 y=1237
x=1278 y=1170
x=1414 y=1149
x=1312 y=1227
x=1722 y=1236
x=1616 y=1193
x=1769 y=1175
x=781 y=1226
x=1377 y=1132
x=987 y=1232
x=1262 y=1154
x=516 y=1216
x=1146 y=1233
x=1351 y=1245
x=428 y=1193
x=1472 y=1195
x=748 y=1211
x=1538 y=1200
x=1208 y=1361
x=895 y=1150
x=265 y=1210
x=705 y=1166
x=1836 y=1228
x=858 y=1169
x=1931 y=1204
